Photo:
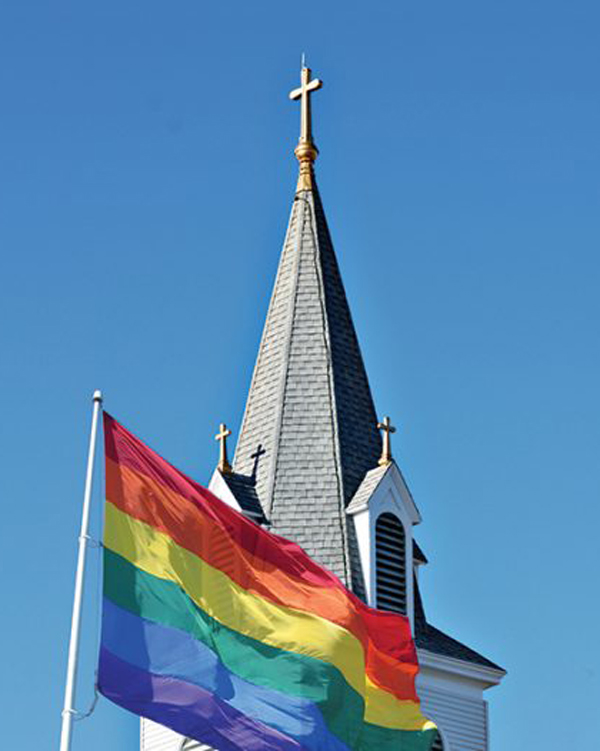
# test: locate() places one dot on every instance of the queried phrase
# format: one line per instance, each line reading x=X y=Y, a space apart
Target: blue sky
x=146 y=176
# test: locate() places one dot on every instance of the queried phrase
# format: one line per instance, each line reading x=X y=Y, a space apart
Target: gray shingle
x=367 y=487
x=243 y=488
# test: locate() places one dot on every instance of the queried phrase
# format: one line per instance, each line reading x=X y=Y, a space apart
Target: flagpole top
x=97 y=396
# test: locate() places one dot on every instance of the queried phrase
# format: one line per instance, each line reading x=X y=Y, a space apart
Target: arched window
x=390 y=563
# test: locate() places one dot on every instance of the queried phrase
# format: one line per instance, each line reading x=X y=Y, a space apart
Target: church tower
x=314 y=465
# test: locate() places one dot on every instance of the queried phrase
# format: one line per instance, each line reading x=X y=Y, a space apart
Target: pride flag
x=233 y=636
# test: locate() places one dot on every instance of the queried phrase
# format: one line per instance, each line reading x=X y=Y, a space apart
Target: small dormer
x=384 y=513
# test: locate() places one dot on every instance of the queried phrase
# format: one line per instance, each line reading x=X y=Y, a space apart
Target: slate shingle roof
x=309 y=407
x=367 y=487
x=244 y=490
x=434 y=640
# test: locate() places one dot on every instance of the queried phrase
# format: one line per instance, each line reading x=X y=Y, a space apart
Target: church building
x=314 y=464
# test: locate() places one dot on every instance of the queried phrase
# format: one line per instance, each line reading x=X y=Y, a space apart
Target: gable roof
x=309 y=411
x=373 y=479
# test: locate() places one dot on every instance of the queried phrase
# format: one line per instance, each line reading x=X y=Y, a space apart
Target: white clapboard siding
x=155 y=737
x=462 y=719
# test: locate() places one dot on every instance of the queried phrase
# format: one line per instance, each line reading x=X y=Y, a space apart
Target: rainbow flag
x=230 y=635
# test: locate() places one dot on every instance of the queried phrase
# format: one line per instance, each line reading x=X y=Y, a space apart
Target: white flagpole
x=68 y=709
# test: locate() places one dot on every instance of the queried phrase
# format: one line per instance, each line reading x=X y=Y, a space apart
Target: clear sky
x=146 y=176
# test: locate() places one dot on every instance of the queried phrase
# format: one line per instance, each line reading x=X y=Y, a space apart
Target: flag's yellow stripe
x=251 y=615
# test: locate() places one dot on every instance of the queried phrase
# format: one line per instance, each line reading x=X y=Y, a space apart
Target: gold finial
x=224 y=466
x=386 y=453
x=306 y=151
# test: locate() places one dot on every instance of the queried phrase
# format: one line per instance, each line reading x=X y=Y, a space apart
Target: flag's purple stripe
x=186 y=708
x=170 y=652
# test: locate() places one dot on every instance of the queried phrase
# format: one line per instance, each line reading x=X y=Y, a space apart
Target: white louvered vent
x=390 y=562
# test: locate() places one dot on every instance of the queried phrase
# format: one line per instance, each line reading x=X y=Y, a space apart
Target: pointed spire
x=309 y=409
x=309 y=406
x=306 y=151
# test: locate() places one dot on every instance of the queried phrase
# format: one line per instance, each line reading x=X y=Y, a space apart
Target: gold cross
x=303 y=93
x=224 y=466
x=306 y=151
x=386 y=453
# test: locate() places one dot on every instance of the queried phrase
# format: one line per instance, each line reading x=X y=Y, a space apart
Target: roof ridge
x=287 y=345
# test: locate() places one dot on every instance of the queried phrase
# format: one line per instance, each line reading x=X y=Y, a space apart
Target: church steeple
x=309 y=407
x=310 y=462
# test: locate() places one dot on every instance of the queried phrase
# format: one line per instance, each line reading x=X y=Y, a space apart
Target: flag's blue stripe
x=169 y=652
x=186 y=708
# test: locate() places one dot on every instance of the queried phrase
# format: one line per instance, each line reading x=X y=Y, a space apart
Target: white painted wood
x=220 y=488
x=462 y=720
x=155 y=737
x=362 y=522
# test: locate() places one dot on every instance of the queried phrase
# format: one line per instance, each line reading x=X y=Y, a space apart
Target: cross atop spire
x=387 y=428
x=222 y=437
x=306 y=151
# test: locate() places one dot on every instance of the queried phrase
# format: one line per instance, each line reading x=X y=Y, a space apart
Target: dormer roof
x=373 y=479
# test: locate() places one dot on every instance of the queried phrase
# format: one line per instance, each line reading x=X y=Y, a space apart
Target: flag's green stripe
x=374 y=737
x=164 y=602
